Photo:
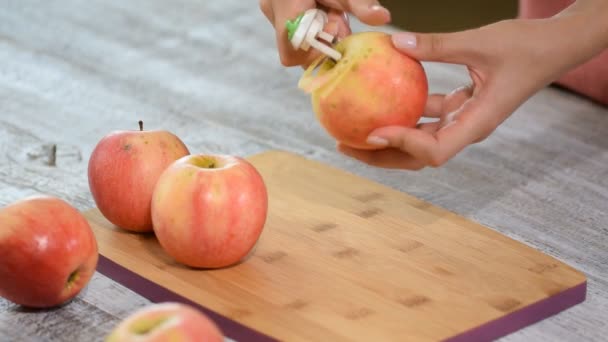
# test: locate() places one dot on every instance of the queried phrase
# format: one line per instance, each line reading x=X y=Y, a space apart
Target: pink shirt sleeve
x=589 y=79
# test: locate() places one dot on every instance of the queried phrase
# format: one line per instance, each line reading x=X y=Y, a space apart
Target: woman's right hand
x=278 y=12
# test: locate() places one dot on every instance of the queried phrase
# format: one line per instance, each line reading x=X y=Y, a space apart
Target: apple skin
x=209 y=210
x=166 y=322
x=371 y=86
x=123 y=170
x=43 y=241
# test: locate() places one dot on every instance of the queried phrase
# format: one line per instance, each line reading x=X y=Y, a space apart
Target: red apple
x=123 y=170
x=48 y=252
x=209 y=210
x=371 y=86
x=166 y=322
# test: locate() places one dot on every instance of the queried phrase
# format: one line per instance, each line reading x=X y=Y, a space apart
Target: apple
x=371 y=86
x=166 y=322
x=48 y=252
x=208 y=210
x=123 y=170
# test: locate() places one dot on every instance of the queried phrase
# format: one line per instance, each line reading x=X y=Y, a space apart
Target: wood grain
x=71 y=71
x=385 y=267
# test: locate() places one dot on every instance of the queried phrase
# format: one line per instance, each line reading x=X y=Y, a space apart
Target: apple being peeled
x=371 y=86
x=209 y=210
x=123 y=170
x=166 y=322
x=48 y=252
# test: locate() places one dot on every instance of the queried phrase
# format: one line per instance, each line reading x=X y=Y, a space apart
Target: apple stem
x=53 y=156
x=141 y=125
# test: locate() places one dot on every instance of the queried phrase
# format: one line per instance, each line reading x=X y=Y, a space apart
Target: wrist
x=582 y=30
x=587 y=19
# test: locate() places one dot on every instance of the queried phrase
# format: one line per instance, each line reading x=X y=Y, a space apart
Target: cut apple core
x=206 y=162
x=147 y=326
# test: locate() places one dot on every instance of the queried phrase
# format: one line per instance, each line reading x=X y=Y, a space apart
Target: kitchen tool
x=343 y=258
x=305 y=30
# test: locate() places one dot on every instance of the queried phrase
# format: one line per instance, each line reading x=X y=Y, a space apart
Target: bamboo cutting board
x=343 y=258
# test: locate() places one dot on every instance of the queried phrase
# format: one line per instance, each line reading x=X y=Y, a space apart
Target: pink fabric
x=589 y=79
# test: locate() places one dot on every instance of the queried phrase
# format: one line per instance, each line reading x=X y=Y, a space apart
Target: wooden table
x=71 y=71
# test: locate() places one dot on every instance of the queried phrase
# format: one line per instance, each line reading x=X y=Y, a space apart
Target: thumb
x=455 y=47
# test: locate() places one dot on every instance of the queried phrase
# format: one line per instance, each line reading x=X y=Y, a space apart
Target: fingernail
x=377 y=141
x=404 y=40
x=377 y=7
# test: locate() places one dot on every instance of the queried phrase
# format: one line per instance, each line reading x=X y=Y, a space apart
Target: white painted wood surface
x=71 y=71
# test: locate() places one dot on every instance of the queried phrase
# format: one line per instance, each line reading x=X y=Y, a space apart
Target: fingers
x=281 y=12
x=337 y=26
x=430 y=144
x=367 y=11
x=453 y=102
x=339 y=20
x=457 y=47
x=434 y=106
x=266 y=8
x=421 y=145
x=390 y=158
x=438 y=105
x=430 y=127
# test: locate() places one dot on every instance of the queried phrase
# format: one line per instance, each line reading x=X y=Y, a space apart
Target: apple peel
x=310 y=82
x=326 y=71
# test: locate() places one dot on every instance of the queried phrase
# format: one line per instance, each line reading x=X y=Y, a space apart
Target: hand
x=507 y=63
x=279 y=11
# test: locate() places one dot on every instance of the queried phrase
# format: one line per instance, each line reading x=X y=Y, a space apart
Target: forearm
x=562 y=41
x=585 y=26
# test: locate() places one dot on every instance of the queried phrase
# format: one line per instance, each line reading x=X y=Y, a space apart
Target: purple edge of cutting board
x=525 y=316
x=486 y=332
x=157 y=293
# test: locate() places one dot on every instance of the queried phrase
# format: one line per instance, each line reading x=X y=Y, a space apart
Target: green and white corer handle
x=306 y=28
